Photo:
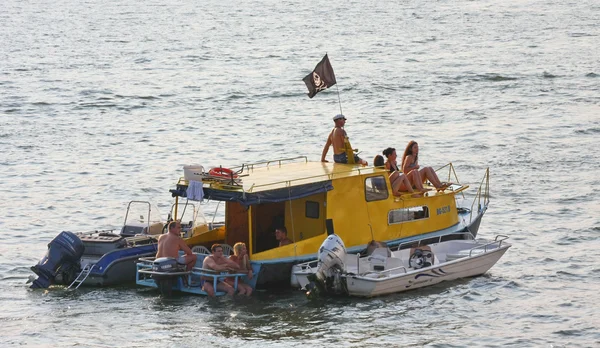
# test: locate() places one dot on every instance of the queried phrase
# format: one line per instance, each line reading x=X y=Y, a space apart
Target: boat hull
x=118 y=268
x=364 y=287
x=279 y=273
x=386 y=272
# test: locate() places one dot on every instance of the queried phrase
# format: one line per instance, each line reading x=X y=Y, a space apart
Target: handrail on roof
x=451 y=172
x=327 y=176
x=250 y=166
x=483 y=193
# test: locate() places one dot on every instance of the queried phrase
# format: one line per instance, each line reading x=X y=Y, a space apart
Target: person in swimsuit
x=240 y=256
x=217 y=262
x=410 y=164
x=399 y=181
x=169 y=245
x=336 y=138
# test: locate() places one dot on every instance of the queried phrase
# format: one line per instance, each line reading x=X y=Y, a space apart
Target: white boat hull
x=375 y=276
x=470 y=267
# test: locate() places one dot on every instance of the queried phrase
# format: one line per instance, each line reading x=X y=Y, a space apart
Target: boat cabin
x=303 y=195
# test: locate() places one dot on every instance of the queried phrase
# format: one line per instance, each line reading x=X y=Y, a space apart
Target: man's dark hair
x=172 y=224
x=215 y=246
x=283 y=229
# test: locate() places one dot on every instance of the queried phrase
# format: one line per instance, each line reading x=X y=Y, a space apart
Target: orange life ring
x=222 y=172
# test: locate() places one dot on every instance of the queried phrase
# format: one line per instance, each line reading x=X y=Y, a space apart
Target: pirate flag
x=321 y=78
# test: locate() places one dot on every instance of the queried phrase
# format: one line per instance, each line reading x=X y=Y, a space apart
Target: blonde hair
x=237 y=248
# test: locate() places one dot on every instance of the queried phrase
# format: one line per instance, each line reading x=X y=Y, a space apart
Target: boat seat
x=200 y=249
x=156 y=228
x=378 y=259
x=227 y=249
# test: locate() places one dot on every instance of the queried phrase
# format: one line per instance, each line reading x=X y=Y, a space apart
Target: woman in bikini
x=400 y=181
x=410 y=164
x=240 y=256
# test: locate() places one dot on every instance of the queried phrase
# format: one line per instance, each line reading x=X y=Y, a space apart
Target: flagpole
x=339 y=99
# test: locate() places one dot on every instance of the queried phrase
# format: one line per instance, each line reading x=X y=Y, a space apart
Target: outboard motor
x=165 y=281
x=63 y=255
x=331 y=263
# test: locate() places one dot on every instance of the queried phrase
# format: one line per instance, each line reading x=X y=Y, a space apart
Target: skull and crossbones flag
x=321 y=78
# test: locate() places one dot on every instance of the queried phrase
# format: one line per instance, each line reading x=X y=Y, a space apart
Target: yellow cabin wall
x=354 y=218
x=299 y=226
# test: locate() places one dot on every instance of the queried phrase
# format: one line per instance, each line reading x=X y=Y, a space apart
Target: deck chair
x=199 y=249
x=227 y=249
x=378 y=259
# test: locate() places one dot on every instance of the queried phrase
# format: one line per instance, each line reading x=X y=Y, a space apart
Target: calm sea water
x=104 y=102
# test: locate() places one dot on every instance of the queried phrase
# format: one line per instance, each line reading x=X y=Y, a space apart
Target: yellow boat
x=312 y=199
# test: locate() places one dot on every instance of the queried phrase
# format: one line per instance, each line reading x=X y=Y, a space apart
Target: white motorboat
x=413 y=265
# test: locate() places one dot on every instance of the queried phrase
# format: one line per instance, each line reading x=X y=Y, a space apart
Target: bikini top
x=393 y=167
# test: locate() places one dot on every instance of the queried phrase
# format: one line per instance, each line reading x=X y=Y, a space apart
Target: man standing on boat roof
x=341 y=145
x=169 y=245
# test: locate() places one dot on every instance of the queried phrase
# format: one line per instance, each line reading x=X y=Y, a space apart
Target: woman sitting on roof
x=399 y=181
x=410 y=164
x=240 y=256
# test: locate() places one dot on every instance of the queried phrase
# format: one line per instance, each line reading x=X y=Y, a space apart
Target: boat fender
x=222 y=172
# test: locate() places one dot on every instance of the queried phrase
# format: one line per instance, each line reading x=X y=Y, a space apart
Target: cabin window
x=398 y=216
x=312 y=209
x=375 y=188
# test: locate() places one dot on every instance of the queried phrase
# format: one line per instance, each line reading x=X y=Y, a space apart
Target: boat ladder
x=85 y=272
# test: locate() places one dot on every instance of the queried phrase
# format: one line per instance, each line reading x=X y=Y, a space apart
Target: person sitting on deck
x=217 y=262
x=399 y=181
x=281 y=236
x=338 y=139
x=240 y=256
x=410 y=166
x=169 y=245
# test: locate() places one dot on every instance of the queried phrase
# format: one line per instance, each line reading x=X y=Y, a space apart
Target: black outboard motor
x=64 y=252
x=170 y=271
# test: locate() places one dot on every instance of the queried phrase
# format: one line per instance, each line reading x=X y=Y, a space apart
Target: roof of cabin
x=298 y=173
x=277 y=181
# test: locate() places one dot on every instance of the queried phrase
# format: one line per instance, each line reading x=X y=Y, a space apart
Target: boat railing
x=144 y=271
x=498 y=240
x=327 y=176
x=482 y=195
x=308 y=266
x=418 y=242
x=285 y=183
x=450 y=175
x=139 y=202
x=483 y=192
x=250 y=166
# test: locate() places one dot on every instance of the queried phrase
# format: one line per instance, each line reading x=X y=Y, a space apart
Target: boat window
x=312 y=209
x=397 y=216
x=375 y=188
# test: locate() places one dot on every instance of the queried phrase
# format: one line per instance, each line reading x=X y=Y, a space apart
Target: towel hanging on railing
x=195 y=191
